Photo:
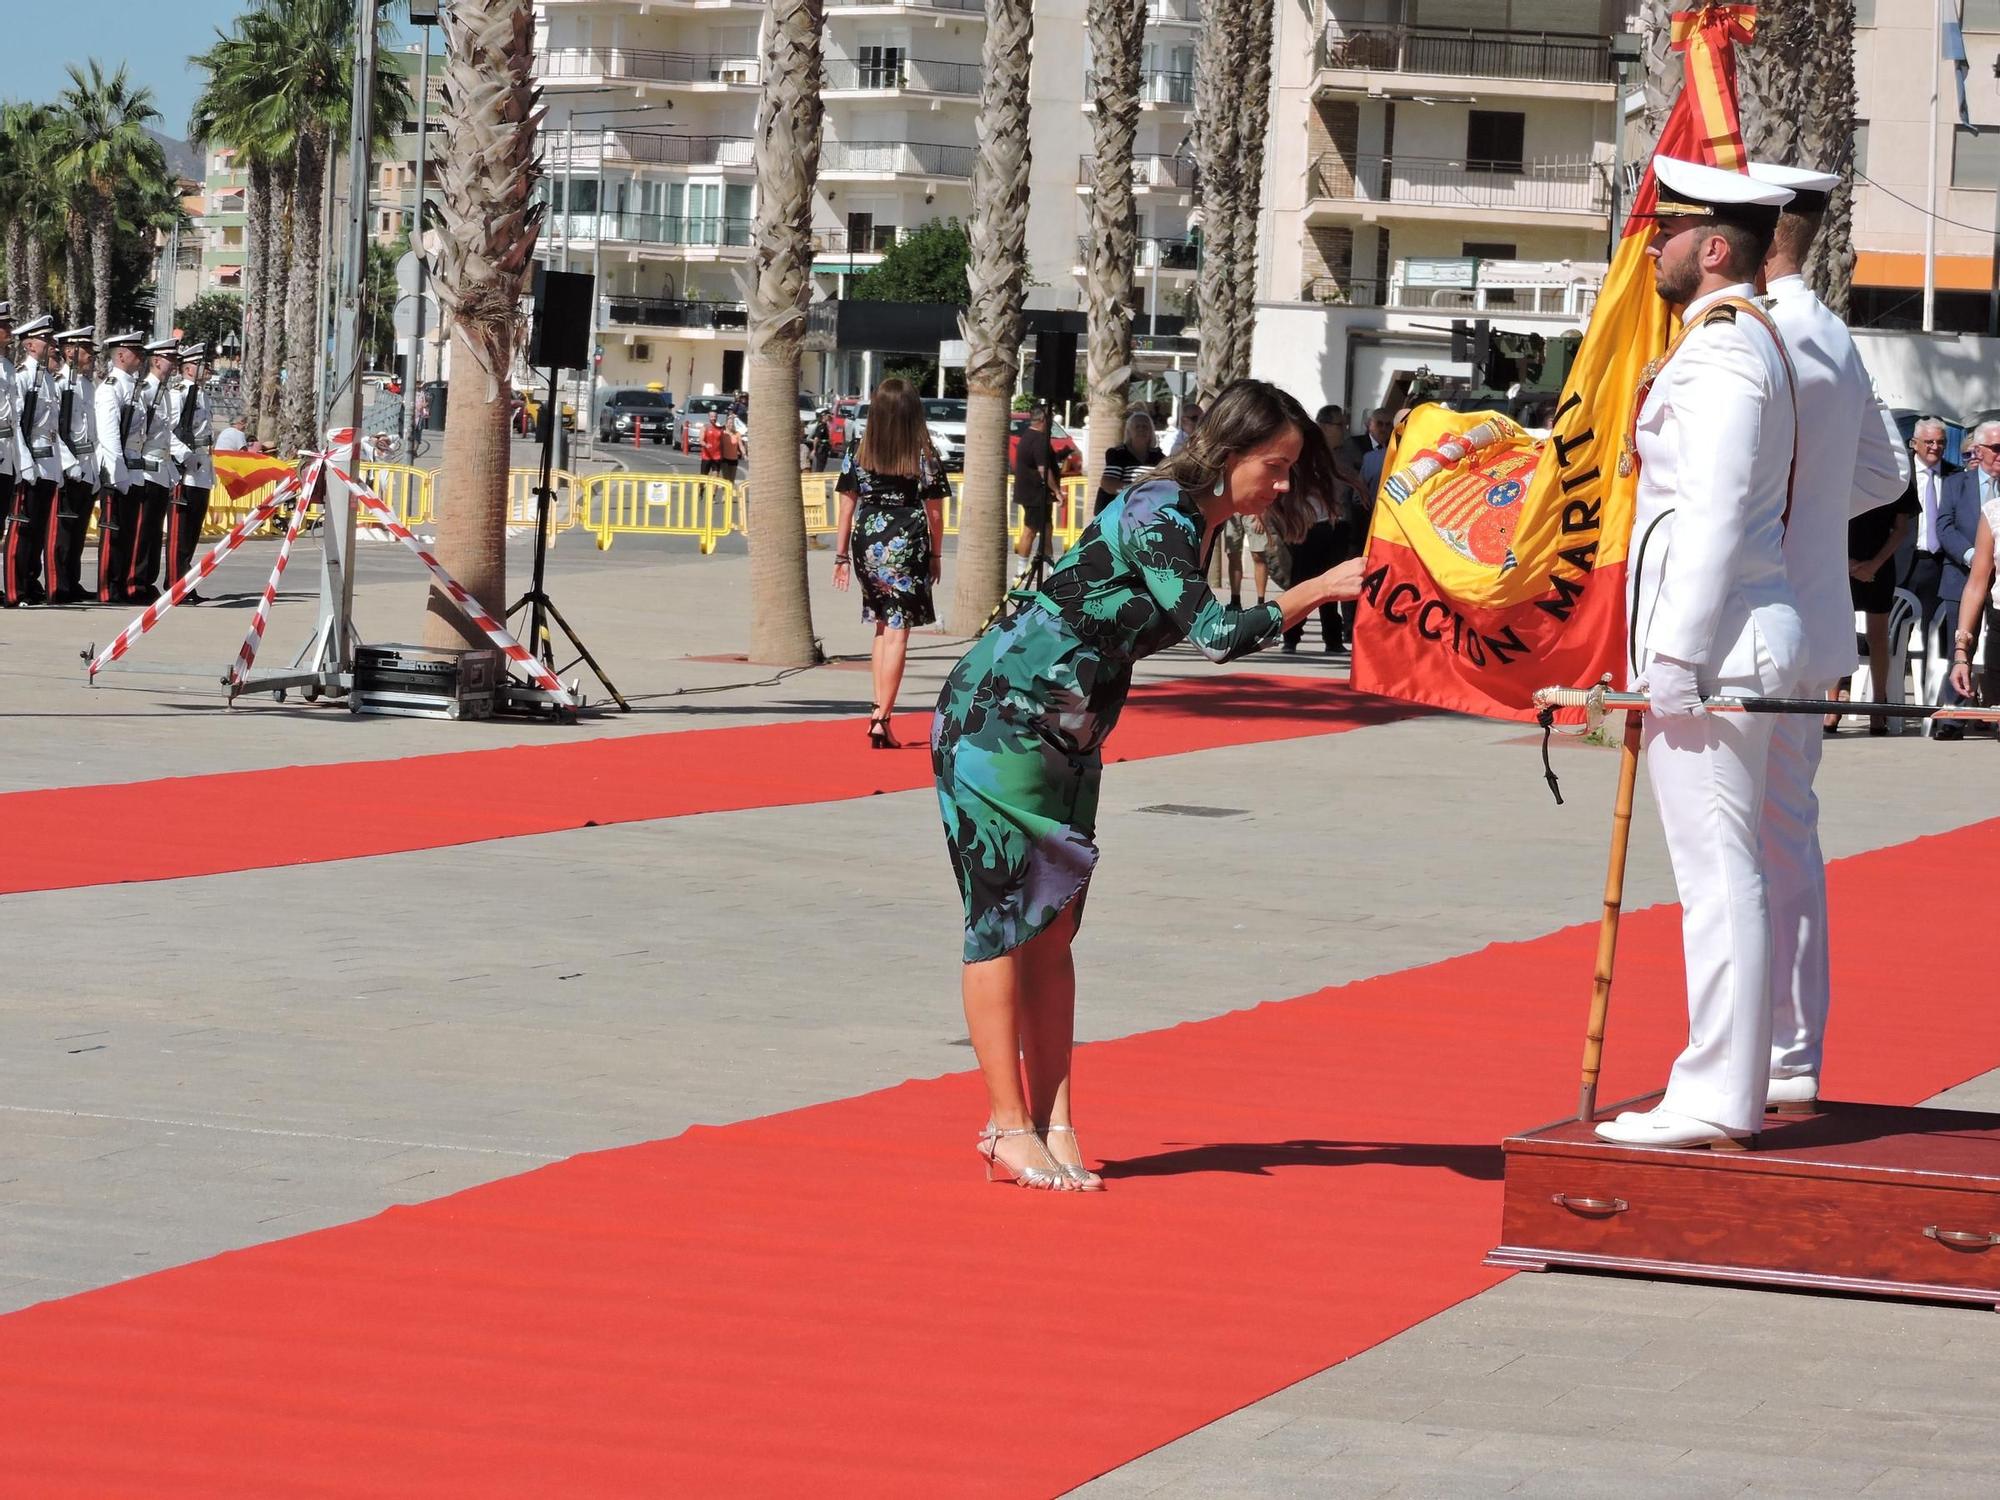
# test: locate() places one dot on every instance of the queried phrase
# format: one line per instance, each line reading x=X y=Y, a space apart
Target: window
x=881 y=67
x=1864 y=12
x=642 y=352
x=1980 y=15
x=1975 y=158
x=1493 y=140
x=1861 y=145
x=1483 y=250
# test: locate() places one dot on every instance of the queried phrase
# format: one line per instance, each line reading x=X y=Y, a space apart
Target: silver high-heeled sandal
x=1051 y=1178
x=1086 y=1180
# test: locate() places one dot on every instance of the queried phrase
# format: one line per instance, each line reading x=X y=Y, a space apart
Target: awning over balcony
x=1955 y=273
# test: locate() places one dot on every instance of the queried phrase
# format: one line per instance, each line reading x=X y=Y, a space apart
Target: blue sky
x=152 y=37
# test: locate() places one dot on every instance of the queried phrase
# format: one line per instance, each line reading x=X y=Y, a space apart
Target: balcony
x=587 y=150
x=1156 y=256
x=701 y=237
x=1158 y=89
x=856 y=244
x=702 y=71
x=888 y=160
x=1507 y=288
x=1355 y=60
x=910 y=75
x=1173 y=12
x=958 y=10
x=1372 y=188
x=1150 y=174
x=671 y=313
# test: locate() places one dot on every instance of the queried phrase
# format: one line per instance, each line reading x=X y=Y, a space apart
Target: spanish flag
x=1496 y=562
x=245 y=477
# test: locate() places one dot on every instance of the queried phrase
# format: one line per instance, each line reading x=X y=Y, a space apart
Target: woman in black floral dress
x=891 y=526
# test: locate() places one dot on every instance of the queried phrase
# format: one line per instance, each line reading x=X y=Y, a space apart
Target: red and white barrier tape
x=204 y=565
x=239 y=670
x=468 y=606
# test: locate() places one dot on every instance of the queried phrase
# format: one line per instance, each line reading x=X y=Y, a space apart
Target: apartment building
x=1432 y=157
x=650 y=183
x=221 y=227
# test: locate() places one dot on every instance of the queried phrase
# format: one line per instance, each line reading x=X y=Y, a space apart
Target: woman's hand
x=1343 y=581
x=842 y=574
x=1862 y=572
x=937 y=564
x=1961 y=678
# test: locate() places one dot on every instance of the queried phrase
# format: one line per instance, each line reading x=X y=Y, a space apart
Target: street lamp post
x=423 y=14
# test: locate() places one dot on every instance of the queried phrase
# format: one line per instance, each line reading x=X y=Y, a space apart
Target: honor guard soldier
x=10 y=408
x=193 y=439
x=37 y=466
x=160 y=474
x=121 y=435
x=1711 y=610
x=1855 y=463
x=76 y=447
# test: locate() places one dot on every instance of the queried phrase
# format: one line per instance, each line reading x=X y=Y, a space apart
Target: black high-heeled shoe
x=879 y=737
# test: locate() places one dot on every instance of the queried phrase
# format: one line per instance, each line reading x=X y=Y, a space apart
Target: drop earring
x=1221 y=484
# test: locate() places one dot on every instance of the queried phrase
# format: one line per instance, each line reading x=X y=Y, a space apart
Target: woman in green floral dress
x=1018 y=741
x=891 y=521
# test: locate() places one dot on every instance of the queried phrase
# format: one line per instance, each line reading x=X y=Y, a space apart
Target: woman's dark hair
x=1248 y=414
x=898 y=439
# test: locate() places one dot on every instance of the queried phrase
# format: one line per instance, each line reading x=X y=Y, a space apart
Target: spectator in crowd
x=1322 y=546
x=1952 y=536
x=1372 y=439
x=231 y=439
x=1927 y=574
x=1972 y=499
x=1191 y=415
x=1123 y=464
x=1874 y=538
x=1379 y=434
x=1037 y=487
x=1981 y=593
x=731 y=429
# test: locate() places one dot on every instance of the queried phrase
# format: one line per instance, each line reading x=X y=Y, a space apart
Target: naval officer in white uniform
x=1850 y=461
x=1710 y=611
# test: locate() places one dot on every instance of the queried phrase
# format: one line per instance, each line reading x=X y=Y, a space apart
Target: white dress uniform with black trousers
x=10 y=411
x=1852 y=462
x=76 y=448
x=1711 y=610
x=121 y=439
x=161 y=475
x=37 y=466
x=193 y=428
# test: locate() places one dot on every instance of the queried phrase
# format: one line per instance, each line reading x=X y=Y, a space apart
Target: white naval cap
x=167 y=347
x=87 y=334
x=36 y=328
x=1810 y=189
x=1689 y=188
x=132 y=340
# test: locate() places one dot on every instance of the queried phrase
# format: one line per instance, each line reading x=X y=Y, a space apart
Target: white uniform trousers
x=1795 y=874
x=1708 y=775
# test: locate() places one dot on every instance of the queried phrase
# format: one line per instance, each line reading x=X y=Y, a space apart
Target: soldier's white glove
x=1671 y=686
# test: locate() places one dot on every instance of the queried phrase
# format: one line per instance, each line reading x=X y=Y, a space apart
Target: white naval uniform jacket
x=78 y=445
x=197 y=469
x=155 y=403
x=118 y=462
x=1850 y=461
x=10 y=413
x=1707 y=583
x=35 y=454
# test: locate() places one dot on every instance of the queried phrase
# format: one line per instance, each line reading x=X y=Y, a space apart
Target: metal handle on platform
x=1604 y=1207
x=1963 y=1239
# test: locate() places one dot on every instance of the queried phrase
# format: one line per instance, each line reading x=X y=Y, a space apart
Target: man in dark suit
x=1960 y=497
x=1371 y=439
x=1931 y=573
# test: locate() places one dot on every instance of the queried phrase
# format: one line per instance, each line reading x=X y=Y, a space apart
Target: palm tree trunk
x=1661 y=68
x=1217 y=108
x=1797 y=102
x=1117 y=35
x=257 y=249
x=38 y=273
x=996 y=276
x=1258 y=18
x=300 y=414
x=103 y=224
x=75 y=279
x=278 y=268
x=486 y=179
x=17 y=262
x=777 y=290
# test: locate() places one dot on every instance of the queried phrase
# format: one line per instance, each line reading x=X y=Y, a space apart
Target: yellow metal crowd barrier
x=702 y=507
x=565 y=509
x=409 y=492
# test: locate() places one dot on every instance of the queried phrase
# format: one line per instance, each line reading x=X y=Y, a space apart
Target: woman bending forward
x=1018 y=740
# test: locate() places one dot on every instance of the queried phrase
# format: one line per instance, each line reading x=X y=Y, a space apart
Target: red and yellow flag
x=240 y=476
x=1496 y=562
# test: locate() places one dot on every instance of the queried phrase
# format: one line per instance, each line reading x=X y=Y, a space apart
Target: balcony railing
x=1537 y=56
x=878 y=240
x=1149 y=173
x=1173 y=12
x=956 y=7
x=1154 y=254
x=644 y=148
x=912 y=75
x=672 y=312
x=647 y=66
x=1554 y=288
x=1156 y=86
x=1573 y=186
x=689 y=231
x=897 y=158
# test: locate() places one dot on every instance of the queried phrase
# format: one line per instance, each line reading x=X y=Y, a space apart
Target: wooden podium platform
x=1856 y=1198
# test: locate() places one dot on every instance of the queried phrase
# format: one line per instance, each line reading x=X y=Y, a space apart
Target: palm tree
x=777 y=289
x=996 y=277
x=27 y=138
x=1117 y=33
x=1797 y=101
x=486 y=178
x=105 y=146
x=1258 y=17
x=1218 y=159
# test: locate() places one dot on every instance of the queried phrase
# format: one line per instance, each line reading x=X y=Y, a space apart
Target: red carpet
x=203 y=825
x=830 y=1302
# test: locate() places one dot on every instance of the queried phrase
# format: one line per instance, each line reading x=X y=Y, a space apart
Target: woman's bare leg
x=992 y=993
x=1048 y=1032
x=875 y=653
x=891 y=647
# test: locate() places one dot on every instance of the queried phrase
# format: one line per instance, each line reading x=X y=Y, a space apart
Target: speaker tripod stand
x=540 y=608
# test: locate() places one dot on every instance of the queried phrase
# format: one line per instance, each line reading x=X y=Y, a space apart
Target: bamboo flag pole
x=1607 y=928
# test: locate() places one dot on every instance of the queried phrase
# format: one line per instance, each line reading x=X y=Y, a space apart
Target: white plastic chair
x=1902 y=620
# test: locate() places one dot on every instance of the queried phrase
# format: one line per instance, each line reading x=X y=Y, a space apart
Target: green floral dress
x=1018 y=741
x=891 y=543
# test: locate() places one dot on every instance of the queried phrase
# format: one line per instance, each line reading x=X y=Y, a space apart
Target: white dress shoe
x=1792 y=1096
x=1662 y=1127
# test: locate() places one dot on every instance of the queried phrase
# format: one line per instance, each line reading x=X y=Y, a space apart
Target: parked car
x=649 y=414
x=694 y=420
x=945 y=416
x=1062 y=446
x=531 y=411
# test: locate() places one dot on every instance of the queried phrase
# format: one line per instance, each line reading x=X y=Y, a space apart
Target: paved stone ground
x=234 y=1059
